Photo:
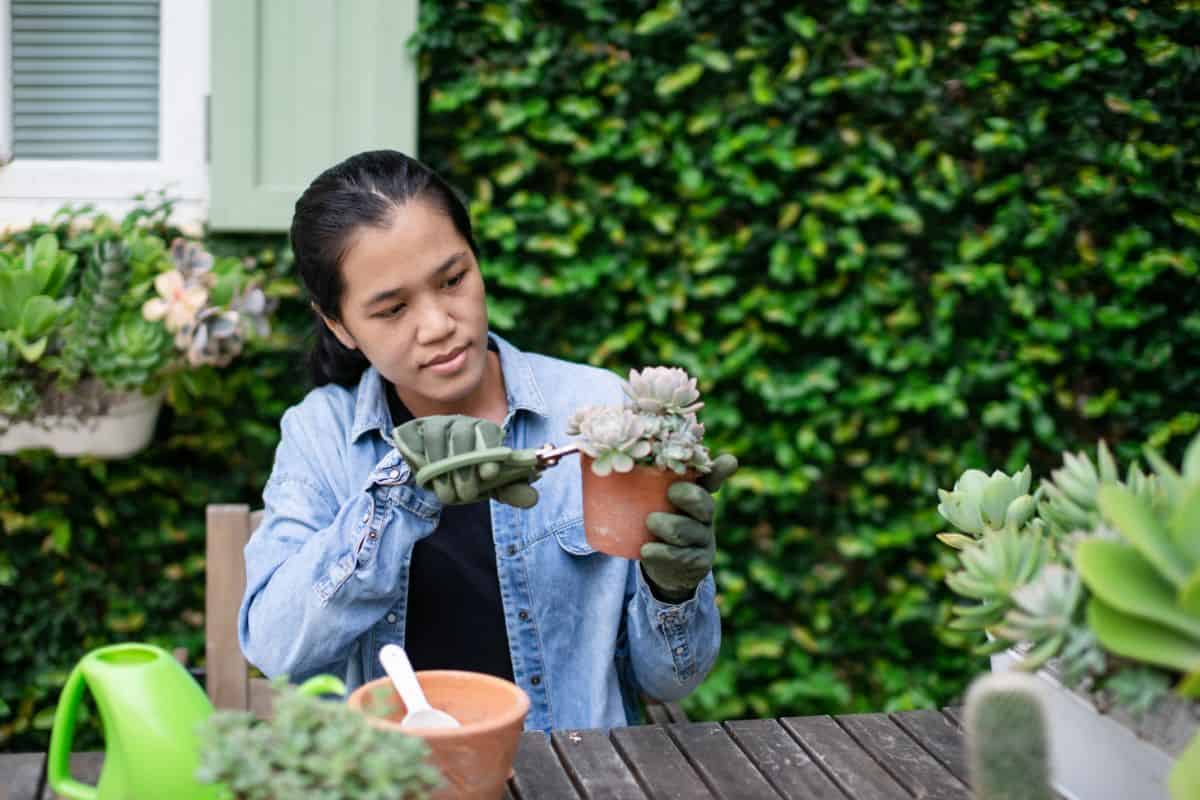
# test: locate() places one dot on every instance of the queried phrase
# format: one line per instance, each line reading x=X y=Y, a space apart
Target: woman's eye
x=394 y=311
x=456 y=280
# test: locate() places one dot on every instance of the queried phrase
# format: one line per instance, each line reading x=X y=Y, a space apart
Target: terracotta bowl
x=475 y=759
x=615 y=506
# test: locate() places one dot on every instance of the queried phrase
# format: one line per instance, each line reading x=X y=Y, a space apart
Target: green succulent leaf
x=1137 y=523
x=1119 y=575
x=38 y=317
x=1142 y=640
x=1184 y=523
x=1184 y=781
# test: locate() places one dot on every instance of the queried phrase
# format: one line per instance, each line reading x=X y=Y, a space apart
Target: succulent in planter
x=96 y=312
x=1008 y=750
x=1104 y=579
x=657 y=426
x=312 y=749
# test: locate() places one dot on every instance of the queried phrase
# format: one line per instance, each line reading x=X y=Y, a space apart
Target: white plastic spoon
x=420 y=713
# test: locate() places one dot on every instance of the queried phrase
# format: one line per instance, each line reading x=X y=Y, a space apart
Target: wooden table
x=859 y=756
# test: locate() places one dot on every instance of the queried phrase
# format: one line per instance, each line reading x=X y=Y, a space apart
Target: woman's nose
x=434 y=324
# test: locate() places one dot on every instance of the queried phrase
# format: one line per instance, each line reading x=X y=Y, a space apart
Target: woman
x=352 y=555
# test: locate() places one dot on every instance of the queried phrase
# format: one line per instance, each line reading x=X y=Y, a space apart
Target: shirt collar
x=371 y=408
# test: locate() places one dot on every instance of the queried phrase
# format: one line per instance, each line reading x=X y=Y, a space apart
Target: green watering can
x=150 y=708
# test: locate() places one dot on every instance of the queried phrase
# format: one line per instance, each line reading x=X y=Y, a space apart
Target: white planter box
x=126 y=428
x=1109 y=756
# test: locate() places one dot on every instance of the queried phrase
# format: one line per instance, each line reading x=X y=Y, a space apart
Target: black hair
x=362 y=190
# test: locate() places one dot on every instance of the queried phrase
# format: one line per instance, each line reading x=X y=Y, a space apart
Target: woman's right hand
x=464 y=459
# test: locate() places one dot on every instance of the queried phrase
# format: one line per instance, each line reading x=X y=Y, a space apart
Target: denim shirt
x=327 y=568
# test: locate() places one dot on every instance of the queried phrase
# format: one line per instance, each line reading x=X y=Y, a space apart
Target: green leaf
x=1148 y=642
x=1184 y=781
x=657 y=17
x=678 y=80
x=38 y=317
x=1136 y=522
x=1125 y=581
x=1184 y=524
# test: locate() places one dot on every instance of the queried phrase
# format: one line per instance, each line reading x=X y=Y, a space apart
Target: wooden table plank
x=720 y=762
x=856 y=772
x=785 y=764
x=539 y=774
x=661 y=769
x=908 y=762
x=595 y=766
x=937 y=735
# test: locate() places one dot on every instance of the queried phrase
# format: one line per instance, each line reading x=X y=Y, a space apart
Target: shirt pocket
x=572 y=538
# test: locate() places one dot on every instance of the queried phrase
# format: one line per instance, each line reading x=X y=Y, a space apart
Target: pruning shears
x=541 y=458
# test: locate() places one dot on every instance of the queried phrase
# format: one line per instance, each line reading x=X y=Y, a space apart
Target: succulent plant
x=993 y=568
x=312 y=749
x=657 y=426
x=1145 y=590
x=980 y=503
x=612 y=436
x=663 y=390
x=99 y=299
x=133 y=354
x=213 y=337
x=1008 y=748
x=30 y=285
x=1068 y=500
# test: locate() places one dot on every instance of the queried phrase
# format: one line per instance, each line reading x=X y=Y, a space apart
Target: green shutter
x=85 y=79
x=298 y=85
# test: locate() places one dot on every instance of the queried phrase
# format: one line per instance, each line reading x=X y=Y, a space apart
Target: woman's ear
x=338 y=330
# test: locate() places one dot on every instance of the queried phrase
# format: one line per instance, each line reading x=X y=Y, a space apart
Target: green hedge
x=895 y=240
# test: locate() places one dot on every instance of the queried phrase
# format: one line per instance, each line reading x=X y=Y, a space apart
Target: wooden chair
x=228 y=677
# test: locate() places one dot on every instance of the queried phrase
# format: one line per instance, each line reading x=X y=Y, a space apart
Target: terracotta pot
x=615 y=506
x=475 y=759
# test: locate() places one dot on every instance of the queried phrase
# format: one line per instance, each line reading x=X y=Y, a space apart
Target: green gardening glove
x=675 y=566
x=464 y=460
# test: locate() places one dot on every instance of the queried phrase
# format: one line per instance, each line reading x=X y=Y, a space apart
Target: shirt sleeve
x=320 y=572
x=672 y=646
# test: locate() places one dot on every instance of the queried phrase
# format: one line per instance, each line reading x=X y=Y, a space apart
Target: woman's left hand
x=677 y=564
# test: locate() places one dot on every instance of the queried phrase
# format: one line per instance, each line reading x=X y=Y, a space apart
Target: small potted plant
x=1094 y=583
x=98 y=316
x=632 y=453
x=312 y=749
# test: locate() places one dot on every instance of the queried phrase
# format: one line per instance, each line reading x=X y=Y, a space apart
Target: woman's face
x=413 y=304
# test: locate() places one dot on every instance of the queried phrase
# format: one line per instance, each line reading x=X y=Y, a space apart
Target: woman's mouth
x=448 y=363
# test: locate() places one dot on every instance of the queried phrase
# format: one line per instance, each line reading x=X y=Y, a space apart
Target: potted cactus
x=632 y=453
x=1093 y=582
x=312 y=749
x=1008 y=754
x=97 y=317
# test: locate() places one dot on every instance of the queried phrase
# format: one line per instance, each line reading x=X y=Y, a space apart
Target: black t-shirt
x=455 y=615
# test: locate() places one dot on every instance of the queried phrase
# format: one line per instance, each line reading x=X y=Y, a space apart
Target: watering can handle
x=321 y=684
x=58 y=759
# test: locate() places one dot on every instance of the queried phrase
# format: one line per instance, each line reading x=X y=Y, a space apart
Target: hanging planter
x=631 y=455
x=125 y=427
x=96 y=317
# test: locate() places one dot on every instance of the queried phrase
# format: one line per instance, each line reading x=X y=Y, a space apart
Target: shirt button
x=394 y=474
x=524 y=615
x=391 y=618
x=678 y=651
x=535 y=680
x=512 y=549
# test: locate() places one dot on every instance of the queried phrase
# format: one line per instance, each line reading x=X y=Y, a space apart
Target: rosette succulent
x=656 y=427
x=612 y=436
x=133 y=354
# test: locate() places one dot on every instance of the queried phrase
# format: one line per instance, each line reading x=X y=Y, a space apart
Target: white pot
x=1109 y=756
x=124 y=429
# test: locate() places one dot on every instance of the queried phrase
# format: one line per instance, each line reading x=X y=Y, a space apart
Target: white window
x=101 y=100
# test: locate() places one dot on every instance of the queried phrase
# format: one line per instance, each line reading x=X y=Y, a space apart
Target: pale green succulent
x=612 y=436
x=133 y=353
x=980 y=503
x=993 y=568
x=1068 y=501
x=1145 y=590
x=663 y=390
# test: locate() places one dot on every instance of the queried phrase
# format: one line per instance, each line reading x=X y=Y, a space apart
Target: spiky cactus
x=1008 y=750
x=99 y=298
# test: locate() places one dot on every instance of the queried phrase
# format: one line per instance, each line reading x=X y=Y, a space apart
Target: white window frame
x=35 y=188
